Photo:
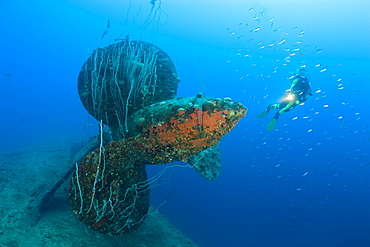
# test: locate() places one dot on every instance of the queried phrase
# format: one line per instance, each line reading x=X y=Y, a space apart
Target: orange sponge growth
x=199 y=129
x=189 y=125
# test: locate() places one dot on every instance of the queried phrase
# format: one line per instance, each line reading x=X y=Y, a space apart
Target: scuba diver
x=299 y=91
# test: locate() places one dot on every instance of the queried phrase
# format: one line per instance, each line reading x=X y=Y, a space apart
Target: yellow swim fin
x=272 y=124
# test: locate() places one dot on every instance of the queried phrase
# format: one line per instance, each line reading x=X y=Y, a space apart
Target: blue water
x=307 y=183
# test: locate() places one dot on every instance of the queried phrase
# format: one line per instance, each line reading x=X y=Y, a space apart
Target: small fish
x=271 y=19
x=255 y=30
x=281 y=42
x=278 y=29
x=251 y=9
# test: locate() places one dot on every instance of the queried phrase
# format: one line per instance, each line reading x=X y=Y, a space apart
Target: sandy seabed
x=27 y=171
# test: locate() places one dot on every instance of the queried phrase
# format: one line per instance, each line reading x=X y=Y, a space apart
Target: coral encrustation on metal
x=109 y=191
